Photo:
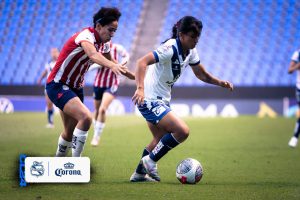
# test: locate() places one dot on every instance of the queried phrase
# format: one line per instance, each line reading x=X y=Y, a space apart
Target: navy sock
x=166 y=143
x=297 y=128
x=50 y=116
x=139 y=168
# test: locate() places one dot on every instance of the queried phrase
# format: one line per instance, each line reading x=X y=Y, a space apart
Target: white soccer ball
x=189 y=171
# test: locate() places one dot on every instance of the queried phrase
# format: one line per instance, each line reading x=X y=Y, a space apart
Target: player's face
x=54 y=53
x=189 y=40
x=107 y=32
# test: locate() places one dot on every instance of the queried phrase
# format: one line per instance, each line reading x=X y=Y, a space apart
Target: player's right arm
x=293 y=66
x=140 y=73
x=98 y=58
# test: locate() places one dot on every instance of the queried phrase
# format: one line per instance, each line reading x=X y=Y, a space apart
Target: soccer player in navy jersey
x=48 y=68
x=105 y=89
x=295 y=66
x=153 y=93
x=65 y=82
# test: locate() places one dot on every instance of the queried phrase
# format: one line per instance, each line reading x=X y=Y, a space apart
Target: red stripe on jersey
x=70 y=67
x=75 y=76
x=97 y=79
x=104 y=79
x=115 y=54
x=112 y=77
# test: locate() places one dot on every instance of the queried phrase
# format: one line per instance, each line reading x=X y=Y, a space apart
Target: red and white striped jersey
x=72 y=62
x=105 y=76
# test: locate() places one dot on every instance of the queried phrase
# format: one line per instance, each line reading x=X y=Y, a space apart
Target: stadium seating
x=28 y=29
x=248 y=42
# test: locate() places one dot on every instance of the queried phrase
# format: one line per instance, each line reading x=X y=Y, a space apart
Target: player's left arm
x=128 y=74
x=204 y=76
x=293 y=66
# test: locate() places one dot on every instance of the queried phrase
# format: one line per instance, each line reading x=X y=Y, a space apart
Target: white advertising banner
x=57 y=169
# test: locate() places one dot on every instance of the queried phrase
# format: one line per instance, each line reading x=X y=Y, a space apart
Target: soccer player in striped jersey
x=105 y=88
x=295 y=66
x=48 y=68
x=65 y=82
x=153 y=94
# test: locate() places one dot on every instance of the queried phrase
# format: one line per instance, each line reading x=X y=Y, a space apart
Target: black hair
x=106 y=15
x=187 y=24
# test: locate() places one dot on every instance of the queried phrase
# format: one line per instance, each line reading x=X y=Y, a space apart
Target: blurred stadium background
x=248 y=42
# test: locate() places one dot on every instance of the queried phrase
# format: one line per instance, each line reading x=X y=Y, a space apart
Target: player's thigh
x=75 y=108
x=173 y=124
x=156 y=131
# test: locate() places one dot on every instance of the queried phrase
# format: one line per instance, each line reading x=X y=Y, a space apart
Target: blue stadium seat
x=44 y=24
x=249 y=42
x=243 y=34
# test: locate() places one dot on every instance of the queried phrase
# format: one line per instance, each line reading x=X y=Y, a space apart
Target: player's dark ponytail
x=185 y=25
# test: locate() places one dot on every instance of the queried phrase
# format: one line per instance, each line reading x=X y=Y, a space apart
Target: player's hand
x=227 y=84
x=138 y=97
x=118 y=69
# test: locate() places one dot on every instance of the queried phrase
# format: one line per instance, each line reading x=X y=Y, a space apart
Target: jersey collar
x=180 y=51
x=97 y=37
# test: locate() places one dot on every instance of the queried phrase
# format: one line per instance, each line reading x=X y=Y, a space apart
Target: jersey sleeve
x=85 y=35
x=163 y=53
x=47 y=67
x=296 y=56
x=194 y=58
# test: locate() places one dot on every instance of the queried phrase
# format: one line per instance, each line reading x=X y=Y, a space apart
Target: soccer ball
x=189 y=171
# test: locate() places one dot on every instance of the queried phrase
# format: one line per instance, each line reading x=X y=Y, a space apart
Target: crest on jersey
x=96 y=46
x=163 y=49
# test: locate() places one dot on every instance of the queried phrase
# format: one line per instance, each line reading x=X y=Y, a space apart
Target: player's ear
x=180 y=34
x=98 y=26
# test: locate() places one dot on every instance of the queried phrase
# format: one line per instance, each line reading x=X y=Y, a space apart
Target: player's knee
x=102 y=110
x=185 y=132
x=87 y=119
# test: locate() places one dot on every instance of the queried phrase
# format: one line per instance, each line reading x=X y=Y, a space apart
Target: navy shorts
x=99 y=91
x=154 y=111
x=60 y=94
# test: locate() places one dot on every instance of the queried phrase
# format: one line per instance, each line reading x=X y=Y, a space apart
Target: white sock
x=63 y=147
x=98 y=129
x=78 y=141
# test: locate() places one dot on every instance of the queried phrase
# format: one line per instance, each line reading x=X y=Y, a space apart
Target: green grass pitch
x=243 y=158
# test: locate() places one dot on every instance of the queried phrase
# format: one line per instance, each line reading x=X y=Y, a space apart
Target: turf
x=243 y=158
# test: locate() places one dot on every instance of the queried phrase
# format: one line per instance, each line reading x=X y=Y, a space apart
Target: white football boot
x=95 y=141
x=136 y=177
x=293 y=142
x=49 y=125
x=150 y=167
